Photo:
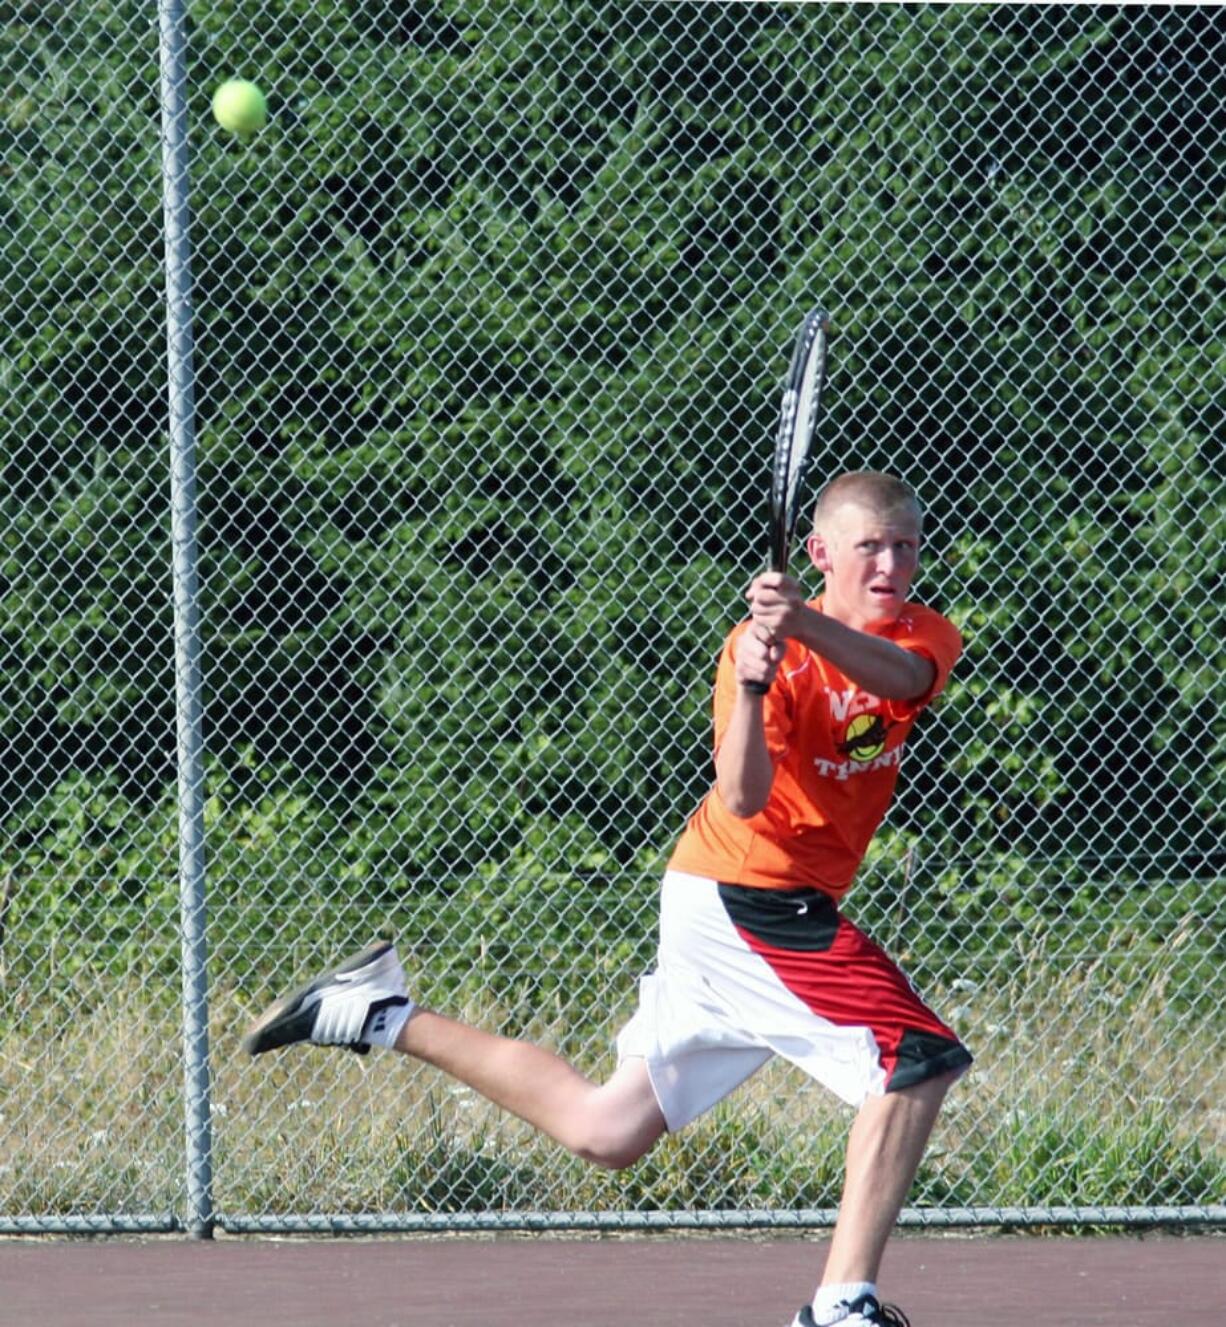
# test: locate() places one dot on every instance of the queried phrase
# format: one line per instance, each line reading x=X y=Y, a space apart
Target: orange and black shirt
x=837 y=751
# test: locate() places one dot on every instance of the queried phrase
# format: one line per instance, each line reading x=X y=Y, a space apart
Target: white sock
x=830 y=1303
x=383 y=1026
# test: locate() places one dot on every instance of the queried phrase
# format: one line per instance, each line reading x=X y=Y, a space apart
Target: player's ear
x=818 y=553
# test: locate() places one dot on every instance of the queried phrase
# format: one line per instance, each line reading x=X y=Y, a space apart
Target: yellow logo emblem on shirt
x=864 y=738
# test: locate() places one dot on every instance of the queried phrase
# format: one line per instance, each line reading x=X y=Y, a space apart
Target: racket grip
x=757 y=688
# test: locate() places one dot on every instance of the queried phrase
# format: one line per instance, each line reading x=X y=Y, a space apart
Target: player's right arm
x=744 y=770
x=874 y=664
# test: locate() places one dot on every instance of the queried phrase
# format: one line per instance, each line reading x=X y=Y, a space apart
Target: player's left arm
x=874 y=664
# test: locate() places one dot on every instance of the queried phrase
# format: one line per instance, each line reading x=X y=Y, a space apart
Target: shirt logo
x=862 y=745
x=864 y=738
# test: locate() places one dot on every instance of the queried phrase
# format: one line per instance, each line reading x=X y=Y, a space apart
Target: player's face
x=869 y=559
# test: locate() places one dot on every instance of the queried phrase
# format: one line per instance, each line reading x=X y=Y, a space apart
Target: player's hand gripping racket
x=798 y=410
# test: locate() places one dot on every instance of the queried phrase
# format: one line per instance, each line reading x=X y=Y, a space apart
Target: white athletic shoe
x=341 y=1008
x=863 y=1312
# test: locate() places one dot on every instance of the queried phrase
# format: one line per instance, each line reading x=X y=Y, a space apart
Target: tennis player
x=755 y=955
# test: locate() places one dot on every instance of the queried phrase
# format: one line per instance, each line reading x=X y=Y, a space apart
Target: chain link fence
x=488 y=324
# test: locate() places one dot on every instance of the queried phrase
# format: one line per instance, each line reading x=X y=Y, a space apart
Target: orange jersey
x=836 y=751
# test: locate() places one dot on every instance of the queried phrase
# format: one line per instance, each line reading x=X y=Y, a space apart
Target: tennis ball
x=239 y=106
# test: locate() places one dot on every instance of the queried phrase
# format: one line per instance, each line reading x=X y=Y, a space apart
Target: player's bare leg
x=611 y=1124
x=884 y=1150
x=363 y=1002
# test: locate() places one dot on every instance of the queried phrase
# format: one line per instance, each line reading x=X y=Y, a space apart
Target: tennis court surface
x=941 y=1281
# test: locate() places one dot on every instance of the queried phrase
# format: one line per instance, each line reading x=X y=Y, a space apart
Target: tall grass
x=1078 y=1097
x=91 y=1098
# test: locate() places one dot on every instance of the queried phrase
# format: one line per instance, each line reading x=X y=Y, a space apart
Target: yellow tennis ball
x=239 y=106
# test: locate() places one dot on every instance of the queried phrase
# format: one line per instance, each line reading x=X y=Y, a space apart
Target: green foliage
x=471 y=314
x=1064 y=1158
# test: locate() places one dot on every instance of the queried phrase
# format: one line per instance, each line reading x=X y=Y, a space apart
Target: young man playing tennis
x=754 y=958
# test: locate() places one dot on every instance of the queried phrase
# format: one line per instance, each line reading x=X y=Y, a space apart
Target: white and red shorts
x=744 y=974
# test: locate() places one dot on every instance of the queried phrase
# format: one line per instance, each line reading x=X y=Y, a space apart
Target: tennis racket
x=798 y=411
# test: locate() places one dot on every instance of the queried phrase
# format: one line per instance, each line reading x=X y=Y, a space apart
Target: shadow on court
x=550 y=1282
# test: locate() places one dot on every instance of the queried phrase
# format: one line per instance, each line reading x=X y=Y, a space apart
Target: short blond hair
x=878 y=492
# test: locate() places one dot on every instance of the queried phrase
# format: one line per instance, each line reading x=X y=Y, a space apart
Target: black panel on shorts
x=924 y=1055
x=805 y=920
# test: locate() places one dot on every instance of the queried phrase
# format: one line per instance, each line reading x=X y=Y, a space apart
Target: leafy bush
x=471 y=315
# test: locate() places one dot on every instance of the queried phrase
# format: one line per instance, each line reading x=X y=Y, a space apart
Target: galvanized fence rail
x=378 y=486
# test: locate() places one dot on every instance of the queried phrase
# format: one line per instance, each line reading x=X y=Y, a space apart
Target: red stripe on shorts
x=851 y=982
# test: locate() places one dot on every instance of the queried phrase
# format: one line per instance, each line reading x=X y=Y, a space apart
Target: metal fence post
x=188 y=708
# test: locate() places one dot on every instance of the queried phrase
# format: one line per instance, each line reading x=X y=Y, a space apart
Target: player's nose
x=886 y=562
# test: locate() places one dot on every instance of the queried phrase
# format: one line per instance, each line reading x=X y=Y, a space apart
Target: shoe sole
x=286 y=1021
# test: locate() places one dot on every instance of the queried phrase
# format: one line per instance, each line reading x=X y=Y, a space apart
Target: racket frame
x=798 y=411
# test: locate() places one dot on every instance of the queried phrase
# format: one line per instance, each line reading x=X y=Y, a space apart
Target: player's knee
x=939 y=1084
x=618 y=1122
x=612 y=1153
x=614 y=1144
